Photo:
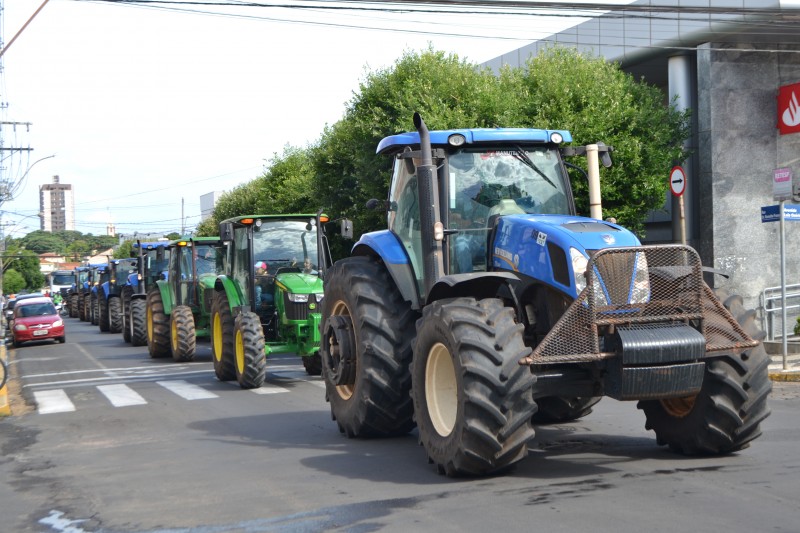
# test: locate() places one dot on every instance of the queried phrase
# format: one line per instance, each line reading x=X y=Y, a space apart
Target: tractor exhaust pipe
x=432 y=264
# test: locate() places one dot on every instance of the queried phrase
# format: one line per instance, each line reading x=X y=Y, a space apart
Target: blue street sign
x=771 y=213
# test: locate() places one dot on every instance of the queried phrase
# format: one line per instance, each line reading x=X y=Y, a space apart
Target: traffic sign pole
x=677 y=184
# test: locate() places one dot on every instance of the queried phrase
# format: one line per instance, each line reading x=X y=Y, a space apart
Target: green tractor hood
x=299 y=283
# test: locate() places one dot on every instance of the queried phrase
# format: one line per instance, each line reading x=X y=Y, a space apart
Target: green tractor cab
x=269 y=298
x=179 y=307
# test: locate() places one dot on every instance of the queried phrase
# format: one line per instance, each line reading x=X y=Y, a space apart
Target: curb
x=785 y=376
x=5 y=407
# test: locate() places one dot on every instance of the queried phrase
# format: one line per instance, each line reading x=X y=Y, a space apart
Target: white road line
x=53 y=401
x=121 y=395
x=186 y=390
x=266 y=388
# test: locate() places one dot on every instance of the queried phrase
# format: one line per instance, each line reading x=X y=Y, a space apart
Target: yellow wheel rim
x=149 y=324
x=440 y=389
x=217 y=335
x=679 y=407
x=239 y=345
x=174 y=335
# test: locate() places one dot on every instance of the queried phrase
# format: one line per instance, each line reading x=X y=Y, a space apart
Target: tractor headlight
x=579 y=264
x=640 y=281
x=298 y=298
x=319 y=296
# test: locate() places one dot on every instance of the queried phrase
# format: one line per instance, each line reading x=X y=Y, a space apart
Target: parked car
x=8 y=310
x=36 y=319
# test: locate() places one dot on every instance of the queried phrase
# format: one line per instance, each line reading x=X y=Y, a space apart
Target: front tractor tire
x=137 y=322
x=726 y=415
x=114 y=315
x=157 y=326
x=366 y=350
x=222 y=337
x=103 y=319
x=183 y=337
x=125 y=312
x=473 y=400
x=249 y=355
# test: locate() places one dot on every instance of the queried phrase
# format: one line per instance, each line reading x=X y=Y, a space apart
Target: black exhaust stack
x=433 y=267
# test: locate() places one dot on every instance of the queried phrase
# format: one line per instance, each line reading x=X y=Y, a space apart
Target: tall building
x=207 y=203
x=56 y=206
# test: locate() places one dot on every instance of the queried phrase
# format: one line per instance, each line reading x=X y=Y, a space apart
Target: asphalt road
x=110 y=440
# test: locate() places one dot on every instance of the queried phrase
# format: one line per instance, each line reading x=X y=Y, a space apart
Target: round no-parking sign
x=677 y=181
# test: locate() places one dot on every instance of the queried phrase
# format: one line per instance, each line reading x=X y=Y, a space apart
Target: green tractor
x=179 y=307
x=268 y=300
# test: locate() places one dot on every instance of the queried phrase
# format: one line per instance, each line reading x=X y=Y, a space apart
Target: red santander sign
x=789 y=109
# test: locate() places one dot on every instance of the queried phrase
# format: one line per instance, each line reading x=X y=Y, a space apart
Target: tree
x=124 y=250
x=562 y=88
x=13 y=282
x=285 y=187
x=42 y=242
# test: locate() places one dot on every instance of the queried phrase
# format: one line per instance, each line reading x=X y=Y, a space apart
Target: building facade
x=727 y=62
x=56 y=206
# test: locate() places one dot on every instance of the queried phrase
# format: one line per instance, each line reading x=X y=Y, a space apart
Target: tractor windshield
x=286 y=244
x=155 y=264
x=209 y=260
x=83 y=276
x=123 y=269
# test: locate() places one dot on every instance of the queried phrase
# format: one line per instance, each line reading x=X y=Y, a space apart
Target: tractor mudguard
x=478 y=285
x=166 y=296
x=387 y=247
x=235 y=297
x=104 y=290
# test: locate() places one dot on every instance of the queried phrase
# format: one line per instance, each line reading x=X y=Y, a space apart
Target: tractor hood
x=299 y=283
x=546 y=247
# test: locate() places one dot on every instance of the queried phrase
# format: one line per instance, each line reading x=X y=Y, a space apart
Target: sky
x=145 y=109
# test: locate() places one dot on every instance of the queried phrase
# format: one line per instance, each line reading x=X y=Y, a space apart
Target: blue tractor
x=488 y=305
x=152 y=259
x=113 y=279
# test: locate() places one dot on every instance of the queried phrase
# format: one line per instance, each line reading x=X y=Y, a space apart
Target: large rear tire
x=74 y=310
x=138 y=322
x=114 y=314
x=472 y=399
x=94 y=312
x=370 y=397
x=558 y=409
x=725 y=416
x=157 y=326
x=251 y=361
x=125 y=298
x=183 y=337
x=102 y=313
x=222 y=337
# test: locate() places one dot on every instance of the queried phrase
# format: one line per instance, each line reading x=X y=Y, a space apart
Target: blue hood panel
x=532 y=245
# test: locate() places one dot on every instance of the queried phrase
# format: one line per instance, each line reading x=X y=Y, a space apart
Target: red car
x=36 y=319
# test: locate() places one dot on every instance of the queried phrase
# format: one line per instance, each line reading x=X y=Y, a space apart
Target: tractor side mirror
x=347 y=228
x=226 y=231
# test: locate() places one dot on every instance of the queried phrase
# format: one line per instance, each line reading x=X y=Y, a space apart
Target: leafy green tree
x=173 y=236
x=124 y=250
x=285 y=187
x=13 y=282
x=78 y=249
x=42 y=242
x=26 y=263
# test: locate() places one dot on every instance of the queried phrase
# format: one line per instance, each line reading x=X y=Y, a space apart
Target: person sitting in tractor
x=264 y=285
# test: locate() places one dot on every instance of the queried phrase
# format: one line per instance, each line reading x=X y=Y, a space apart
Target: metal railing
x=770 y=301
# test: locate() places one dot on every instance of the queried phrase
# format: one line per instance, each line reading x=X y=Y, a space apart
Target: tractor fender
x=104 y=290
x=385 y=246
x=226 y=284
x=478 y=285
x=166 y=296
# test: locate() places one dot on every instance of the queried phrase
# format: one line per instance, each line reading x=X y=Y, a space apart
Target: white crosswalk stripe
x=186 y=390
x=53 y=401
x=121 y=395
x=266 y=388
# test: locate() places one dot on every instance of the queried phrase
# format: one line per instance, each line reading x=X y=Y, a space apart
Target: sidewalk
x=792 y=372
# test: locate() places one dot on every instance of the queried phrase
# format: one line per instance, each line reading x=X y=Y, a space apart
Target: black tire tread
x=158 y=341
x=496 y=402
x=138 y=322
x=182 y=319
x=731 y=405
x=384 y=323
x=114 y=314
x=254 y=370
x=224 y=366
